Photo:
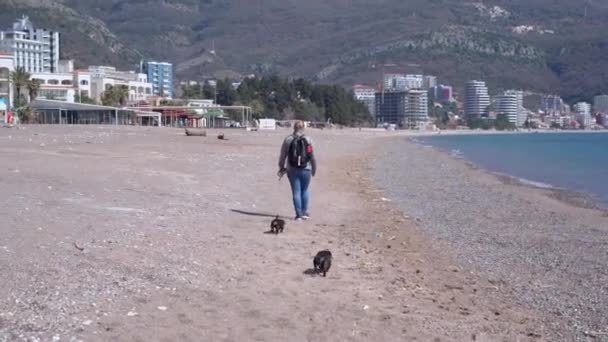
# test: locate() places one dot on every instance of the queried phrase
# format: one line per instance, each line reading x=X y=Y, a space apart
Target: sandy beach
x=144 y=234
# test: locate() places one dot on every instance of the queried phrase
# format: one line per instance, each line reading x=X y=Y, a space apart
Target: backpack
x=300 y=152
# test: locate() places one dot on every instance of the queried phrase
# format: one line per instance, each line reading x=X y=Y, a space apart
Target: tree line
x=286 y=99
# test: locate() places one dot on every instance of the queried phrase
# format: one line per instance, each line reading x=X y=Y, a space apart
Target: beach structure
x=267 y=124
x=200 y=117
x=65 y=113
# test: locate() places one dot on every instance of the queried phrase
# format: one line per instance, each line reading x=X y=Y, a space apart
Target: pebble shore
x=549 y=255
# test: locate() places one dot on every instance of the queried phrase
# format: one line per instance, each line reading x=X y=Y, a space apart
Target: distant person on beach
x=298 y=160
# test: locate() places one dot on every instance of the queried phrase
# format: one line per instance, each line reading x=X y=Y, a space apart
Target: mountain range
x=548 y=46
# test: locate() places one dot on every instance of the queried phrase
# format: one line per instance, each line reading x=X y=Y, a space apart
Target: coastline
x=573 y=197
x=135 y=233
x=532 y=239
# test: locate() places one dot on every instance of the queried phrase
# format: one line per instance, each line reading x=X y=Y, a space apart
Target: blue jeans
x=299 y=179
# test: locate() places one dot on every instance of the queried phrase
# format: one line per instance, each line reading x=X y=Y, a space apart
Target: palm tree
x=122 y=94
x=115 y=96
x=33 y=87
x=20 y=79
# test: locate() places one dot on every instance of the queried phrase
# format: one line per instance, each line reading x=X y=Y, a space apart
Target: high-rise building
x=477 y=100
x=508 y=105
x=416 y=109
x=552 y=105
x=413 y=82
x=406 y=109
x=367 y=95
x=429 y=82
x=35 y=50
x=583 y=113
x=160 y=74
x=522 y=114
x=390 y=107
x=442 y=93
x=600 y=104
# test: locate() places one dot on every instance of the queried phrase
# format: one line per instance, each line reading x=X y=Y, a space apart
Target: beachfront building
x=508 y=105
x=366 y=95
x=405 y=109
x=416 y=109
x=600 y=104
x=36 y=50
x=522 y=115
x=82 y=81
x=583 y=113
x=55 y=86
x=6 y=90
x=390 y=107
x=477 y=100
x=160 y=74
x=442 y=93
x=104 y=77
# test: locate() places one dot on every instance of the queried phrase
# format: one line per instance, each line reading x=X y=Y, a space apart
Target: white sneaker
x=298 y=219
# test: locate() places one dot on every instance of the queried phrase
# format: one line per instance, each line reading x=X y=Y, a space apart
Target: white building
x=413 y=82
x=522 y=114
x=82 y=80
x=600 y=104
x=367 y=95
x=104 y=77
x=402 y=82
x=56 y=86
x=429 y=82
x=416 y=109
x=36 y=50
x=477 y=100
x=583 y=113
x=508 y=105
x=391 y=81
x=6 y=90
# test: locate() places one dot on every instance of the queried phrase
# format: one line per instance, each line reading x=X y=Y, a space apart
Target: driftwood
x=196 y=132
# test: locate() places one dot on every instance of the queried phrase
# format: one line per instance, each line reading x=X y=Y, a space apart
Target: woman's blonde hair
x=298 y=126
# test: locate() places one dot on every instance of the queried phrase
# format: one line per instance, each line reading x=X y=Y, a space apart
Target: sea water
x=571 y=161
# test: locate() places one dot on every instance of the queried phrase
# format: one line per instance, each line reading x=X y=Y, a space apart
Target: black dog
x=277 y=225
x=322 y=262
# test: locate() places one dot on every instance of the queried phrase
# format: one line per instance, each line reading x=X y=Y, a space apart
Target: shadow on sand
x=310 y=272
x=250 y=213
